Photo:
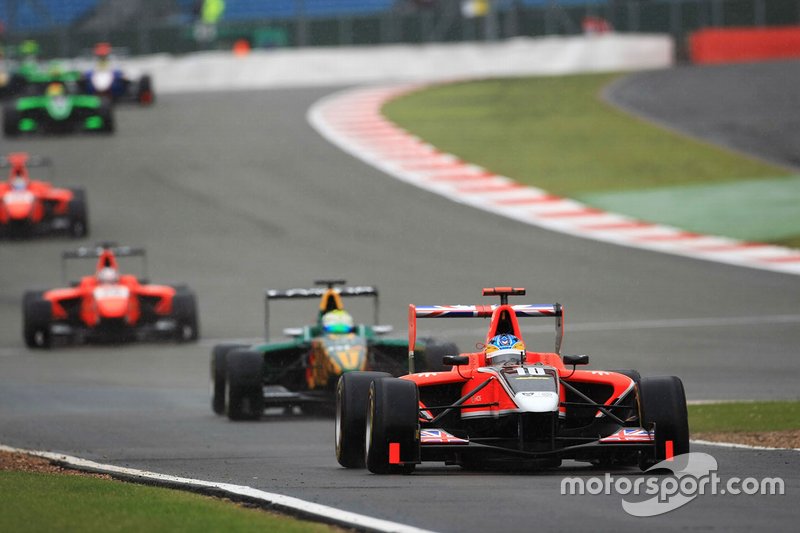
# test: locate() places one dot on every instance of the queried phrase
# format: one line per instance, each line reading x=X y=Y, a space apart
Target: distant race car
x=59 y=109
x=112 y=83
x=506 y=406
x=108 y=306
x=303 y=370
x=32 y=207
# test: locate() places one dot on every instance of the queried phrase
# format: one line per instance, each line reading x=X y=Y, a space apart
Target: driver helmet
x=107 y=275
x=55 y=89
x=504 y=348
x=337 y=321
x=18 y=184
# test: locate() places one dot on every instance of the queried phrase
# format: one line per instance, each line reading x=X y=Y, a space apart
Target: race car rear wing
x=19 y=162
x=484 y=311
x=17 y=159
x=94 y=252
x=327 y=287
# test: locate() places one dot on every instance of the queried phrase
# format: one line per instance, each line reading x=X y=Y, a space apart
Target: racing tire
x=218 y=354
x=36 y=321
x=106 y=112
x=244 y=388
x=352 y=393
x=144 y=94
x=392 y=419
x=184 y=309
x=10 y=121
x=78 y=214
x=663 y=406
x=434 y=352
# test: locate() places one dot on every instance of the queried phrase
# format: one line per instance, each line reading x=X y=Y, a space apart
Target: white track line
x=352 y=120
x=741 y=446
x=277 y=502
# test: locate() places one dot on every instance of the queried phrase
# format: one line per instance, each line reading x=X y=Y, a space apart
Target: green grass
x=47 y=502
x=558 y=134
x=744 y=416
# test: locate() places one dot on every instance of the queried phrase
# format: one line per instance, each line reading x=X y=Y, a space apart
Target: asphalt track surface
x=233 y=193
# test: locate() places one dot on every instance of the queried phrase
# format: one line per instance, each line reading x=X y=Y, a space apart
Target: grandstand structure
x=65 y=27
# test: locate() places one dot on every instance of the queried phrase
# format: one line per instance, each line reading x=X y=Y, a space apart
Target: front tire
x=36 y=321
x=352 y=392
x=663 y=406
x=218 y=354
x=244 y=390
x=392 y=419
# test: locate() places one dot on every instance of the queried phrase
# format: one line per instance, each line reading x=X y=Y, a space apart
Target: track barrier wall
x=730 y=45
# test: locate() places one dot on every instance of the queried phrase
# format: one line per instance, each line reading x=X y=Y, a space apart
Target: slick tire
x=37 y=315
x=144 y=94
x=244 y=388
x=352 y=392
x=434 y=352
x=106 y=112
x=10 y=121
x=663 y=405
x=392 y=419
x=184 y=309
x=218 y=354
x=78 y=214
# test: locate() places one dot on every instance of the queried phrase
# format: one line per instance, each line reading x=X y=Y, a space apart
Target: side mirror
x=293 y=332
x=381 y=329
x=455 y=360
x=572 y=360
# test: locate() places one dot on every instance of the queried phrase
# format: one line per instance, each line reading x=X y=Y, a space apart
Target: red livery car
x=506 y=406
x=29 y=207
x=108 y=306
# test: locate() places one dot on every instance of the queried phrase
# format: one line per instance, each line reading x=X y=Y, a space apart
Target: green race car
x=303 y=369
x=58 y=109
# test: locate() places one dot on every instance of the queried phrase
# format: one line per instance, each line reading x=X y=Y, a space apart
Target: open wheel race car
x=108 y=306
x=112 y=84
x=506 y=406
x=59 y=108
x=303 y=370
x=32 y=207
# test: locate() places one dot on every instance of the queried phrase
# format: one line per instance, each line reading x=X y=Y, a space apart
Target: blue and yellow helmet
x=504 y=347
x=337 y=321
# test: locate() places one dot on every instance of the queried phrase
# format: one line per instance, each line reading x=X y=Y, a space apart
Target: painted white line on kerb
x=278 y=502
x=741 y=446
x=341 y=118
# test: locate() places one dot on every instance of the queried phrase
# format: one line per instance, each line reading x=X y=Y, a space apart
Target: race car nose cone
x=18 y=205
x=537 y=401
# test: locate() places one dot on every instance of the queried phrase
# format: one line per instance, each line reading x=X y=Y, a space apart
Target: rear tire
x=663 y=404
x=36 y=321
x=78 y=214
x=244 y=390
x=392 y=418
x=145 y=94
x=106 y=113
x=184 y=309
x=352 y=392
x=434 y=352
x=10 y=121
x=218 y=375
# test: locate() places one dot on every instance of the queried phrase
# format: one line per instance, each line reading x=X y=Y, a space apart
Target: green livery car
x=303 y=370
x=57 y=110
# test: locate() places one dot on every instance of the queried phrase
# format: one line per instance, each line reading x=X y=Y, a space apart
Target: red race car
x=108 y=306
x=506 y=406
x=29 y=207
